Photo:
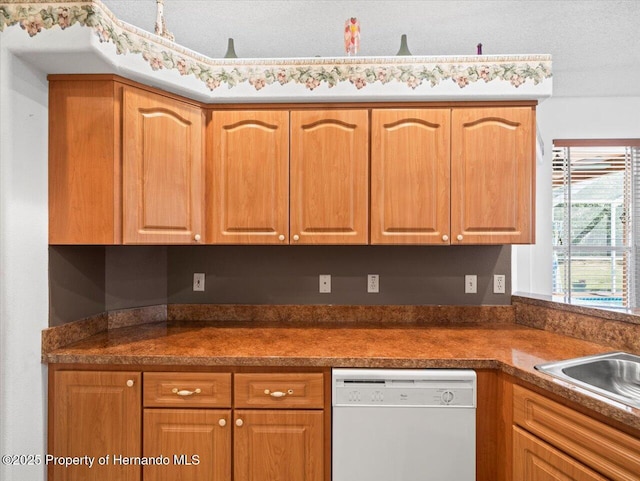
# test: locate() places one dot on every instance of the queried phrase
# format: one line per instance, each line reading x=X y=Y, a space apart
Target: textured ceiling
x=595 y=43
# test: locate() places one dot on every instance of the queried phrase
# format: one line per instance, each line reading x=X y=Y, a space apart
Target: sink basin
x=615 y=375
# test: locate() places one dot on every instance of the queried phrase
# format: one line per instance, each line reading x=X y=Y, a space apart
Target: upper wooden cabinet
x=410 y=172
x=85 y=200
x=493 y=175
x=297 y=177
x=453 y=176
x=329 y=176
x=126 y=165
x=248 y=177
x=163 y=170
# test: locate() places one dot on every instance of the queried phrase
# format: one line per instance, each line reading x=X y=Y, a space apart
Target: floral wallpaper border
x=159 y=53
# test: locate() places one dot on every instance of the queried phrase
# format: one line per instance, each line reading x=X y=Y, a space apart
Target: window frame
x=631 y=296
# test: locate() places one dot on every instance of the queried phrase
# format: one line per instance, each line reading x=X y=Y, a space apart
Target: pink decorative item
x=352 y=36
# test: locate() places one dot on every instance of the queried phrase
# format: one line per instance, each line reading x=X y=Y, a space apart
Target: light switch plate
x=471 y=284
x=198 y=281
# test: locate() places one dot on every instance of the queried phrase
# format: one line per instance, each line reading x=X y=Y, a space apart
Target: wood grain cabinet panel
x=410 y=170
x=492 y=175
x=534 y=460
x=96 y=414
x=329 y=177
x=278 y=445
x=197 y=443
x=183 y=389
x=602 y=448
x=163 y=170
x=85 y=205
x=249 y=177
x=127 y=165
x=279 y=390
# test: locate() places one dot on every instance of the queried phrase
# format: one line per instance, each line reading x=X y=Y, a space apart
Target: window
x=596 y=221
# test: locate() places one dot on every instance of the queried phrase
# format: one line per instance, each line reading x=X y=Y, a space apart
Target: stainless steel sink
x=615 y=375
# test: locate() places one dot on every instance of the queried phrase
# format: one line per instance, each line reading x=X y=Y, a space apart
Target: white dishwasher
x=404 y=425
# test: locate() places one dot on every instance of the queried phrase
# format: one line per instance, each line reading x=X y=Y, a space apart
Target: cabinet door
x=84 y=162
x=197 y=443
x=492 y=175
x=534 y=460
x=163 y=170
x=410 y=176
x=278 y=445
x=249 y=177
x=329 y=177
x=96 y=414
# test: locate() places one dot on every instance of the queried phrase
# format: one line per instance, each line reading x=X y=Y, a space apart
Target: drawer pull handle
x=185 y=392
x=239 y=422
x=130 y=383
x=278 y=393
x=222 y=422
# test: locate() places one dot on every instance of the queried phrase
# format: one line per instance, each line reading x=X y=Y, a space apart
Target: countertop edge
x=598 y=404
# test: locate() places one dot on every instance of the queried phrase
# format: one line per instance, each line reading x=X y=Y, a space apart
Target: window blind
x=596 y=199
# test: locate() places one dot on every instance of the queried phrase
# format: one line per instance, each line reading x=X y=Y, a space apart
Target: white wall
x=23 y=262
x=566 y=118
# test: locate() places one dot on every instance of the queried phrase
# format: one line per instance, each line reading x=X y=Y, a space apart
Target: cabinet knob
x=281 y=237
x=130 y=383
x=460 y=237
x=445 y=238
x=296 y=237
x=239 y=422
x=197 y=237
x=222 y=422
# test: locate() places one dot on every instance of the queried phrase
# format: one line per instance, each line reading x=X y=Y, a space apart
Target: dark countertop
x=512 y=348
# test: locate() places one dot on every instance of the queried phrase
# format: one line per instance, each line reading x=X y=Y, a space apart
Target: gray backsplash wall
x=289 y=274
x=136 y=276
x=76 y=283
x=88 y=280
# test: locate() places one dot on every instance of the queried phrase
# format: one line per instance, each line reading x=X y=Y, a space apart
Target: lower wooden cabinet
x=94 y=415
x=552 y=441
x=277 y=445
x=184 y=426
x=189 y=444
x=535 y=460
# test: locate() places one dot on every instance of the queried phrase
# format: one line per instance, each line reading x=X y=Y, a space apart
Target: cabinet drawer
x=593 y=443
x=267 y=390
x=176 y=389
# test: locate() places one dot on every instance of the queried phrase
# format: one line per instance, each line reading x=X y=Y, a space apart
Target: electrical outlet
x=499 y=284
x=471 y=284
x=198 y=281
x=325 y=283
x=373 y=283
